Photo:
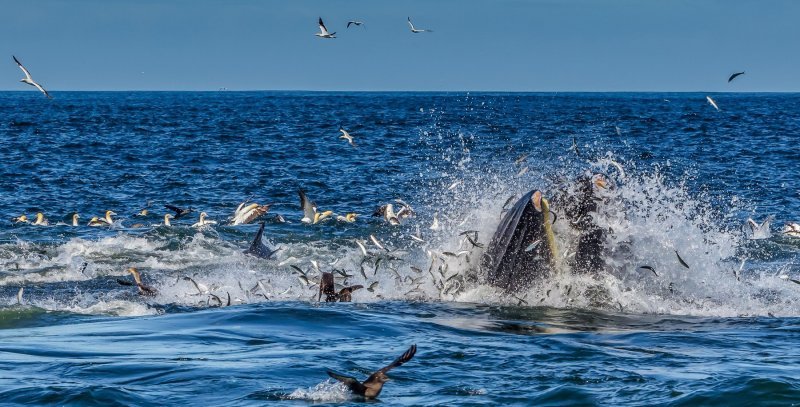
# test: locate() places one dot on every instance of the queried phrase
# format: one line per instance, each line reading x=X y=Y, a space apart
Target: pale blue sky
x=505 y=45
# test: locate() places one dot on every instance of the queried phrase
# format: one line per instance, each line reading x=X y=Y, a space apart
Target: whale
x=522 y=250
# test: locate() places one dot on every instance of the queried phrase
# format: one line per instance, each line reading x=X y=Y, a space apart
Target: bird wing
x=322 y=29
x=732 y=77
x=306 y=205
x=348 y=24
x=255 y=213
x=405 y=357
x=174 y=209
x=25 y=71
x=753 y=225
x=348 y=290
x=410 y=25
x=351 y=382
x=41 y=89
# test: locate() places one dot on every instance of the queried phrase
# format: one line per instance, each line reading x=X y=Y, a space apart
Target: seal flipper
x=508 y=263
x=257 y=248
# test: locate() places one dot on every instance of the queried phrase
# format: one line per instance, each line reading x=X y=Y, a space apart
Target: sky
x=499 y=45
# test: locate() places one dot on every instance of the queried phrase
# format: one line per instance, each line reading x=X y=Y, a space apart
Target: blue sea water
x=686 y=177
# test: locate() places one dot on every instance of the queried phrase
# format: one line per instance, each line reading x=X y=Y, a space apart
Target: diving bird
x=95 y=222
x=323 y=32
x=761 y=231
x=734 y=76
x=179 y=213
x=415 y=30
x=712 y=102
x=75 y=217
x=143 y=289
x=327 y=287
x=372 y=387
x=203 y=222
x=40 y=220
x=354 y=22
x=21 y=219
x=310 y=213
x=248 y=213
x=167 y=217
x=258 y=248
x=29 y=80
x=345 y=135
x=387 y=212
x=349 y=218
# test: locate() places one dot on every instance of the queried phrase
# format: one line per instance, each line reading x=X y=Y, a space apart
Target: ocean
x=226 y=328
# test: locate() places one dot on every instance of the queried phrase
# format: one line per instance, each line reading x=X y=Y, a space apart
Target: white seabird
x=310 y=213
x=761 y=231
x=40 y=220
x=415 y=30
x=248 y=213
x=323 y=32
x=203 y=222
x=346 y=135
x=791 y=229
x=712 y=102
x=29 y=80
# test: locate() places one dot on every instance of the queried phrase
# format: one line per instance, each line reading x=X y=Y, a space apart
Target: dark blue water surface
x=684 y=178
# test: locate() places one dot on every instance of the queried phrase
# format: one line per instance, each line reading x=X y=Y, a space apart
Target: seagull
x=29 y=80
x=357 y=23
x=323 y=32
x=346 y=135
x=247 y=213
x=179 y=213
x=761 y=231
x=732 y=77
x=372 y=387
x=203 y=222
x=414 y=30
x=712 y=102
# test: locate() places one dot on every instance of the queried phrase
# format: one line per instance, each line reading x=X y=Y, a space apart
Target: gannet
x=354 y=22
x=712 y=102
x=203 y=222
x=75 y=217
x=310 y=213
x=143 y=289
x=760 y=231
x=323 y=32
x=372 y=387
x=107 y=219
x=40 y=220
x=732 y=77
x=95 y=221
x=349 y=218
x=387 y=211
x=345 y=135
x=414 y=30
x=248 y=213
x=167 y=217
x=29 y=80
x=21 y=219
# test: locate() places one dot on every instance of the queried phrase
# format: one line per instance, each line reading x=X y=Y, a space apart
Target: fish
x=377 y=243
x=258 y=248
x=683 y=263
x=649 y=268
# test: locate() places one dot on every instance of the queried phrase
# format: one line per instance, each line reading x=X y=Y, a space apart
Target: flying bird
x=323 y=32
x=346 y=135
x=248 y=213
x=29 y=80
x=712 y=102
x=354 y=22
x=310 y=214
x=415 y=30
x=179 y=212
x=734 y=76
x=372 y=387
